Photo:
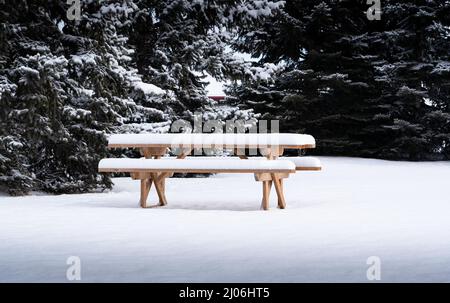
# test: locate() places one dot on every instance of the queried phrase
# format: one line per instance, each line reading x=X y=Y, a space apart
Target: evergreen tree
x=64 y=84
x=124 y=66
x=178 y=42
x=412 y=72
x=361 y=87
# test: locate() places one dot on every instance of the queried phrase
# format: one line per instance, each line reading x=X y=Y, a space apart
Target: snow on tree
x=64 y=84
x=123 y=66
x=361 y=87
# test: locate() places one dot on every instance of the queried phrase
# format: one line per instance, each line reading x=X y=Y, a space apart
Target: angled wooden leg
x=163 y=185
x=266 y=195
x=283 y=202
x=146 y=184
x=162 y=192
x=279 y=188
x=159 y=189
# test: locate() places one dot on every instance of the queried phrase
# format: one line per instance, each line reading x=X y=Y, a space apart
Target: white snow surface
x=303 y=161
x=198 y=163
x=148 y=88
x=213 y=139
x=213 y=231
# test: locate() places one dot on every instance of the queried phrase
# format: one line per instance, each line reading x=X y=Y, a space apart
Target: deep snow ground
x=213 y=231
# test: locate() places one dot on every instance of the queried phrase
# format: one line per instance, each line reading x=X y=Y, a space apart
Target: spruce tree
x=178 y=42
x=412 y=73
x=64 y=84
x=122 y=66
x=361 y=87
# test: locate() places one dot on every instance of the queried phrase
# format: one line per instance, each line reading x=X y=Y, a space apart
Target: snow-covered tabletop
x=294 y=141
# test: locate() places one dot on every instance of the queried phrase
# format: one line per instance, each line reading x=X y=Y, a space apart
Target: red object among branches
x=217 y=98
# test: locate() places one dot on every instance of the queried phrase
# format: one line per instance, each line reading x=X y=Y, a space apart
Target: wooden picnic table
x=155 y=146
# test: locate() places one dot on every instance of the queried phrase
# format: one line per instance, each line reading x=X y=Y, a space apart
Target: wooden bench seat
x=304 y=163
x=301 y=163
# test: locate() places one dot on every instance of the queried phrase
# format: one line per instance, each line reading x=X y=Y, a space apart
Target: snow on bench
x=196 y=166
x=205 y=140
x=301 y=163
x=304 y=163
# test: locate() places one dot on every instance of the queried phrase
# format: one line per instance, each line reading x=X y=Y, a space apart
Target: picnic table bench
x=155 y=167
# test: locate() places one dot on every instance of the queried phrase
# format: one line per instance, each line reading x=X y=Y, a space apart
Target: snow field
x=212 y=230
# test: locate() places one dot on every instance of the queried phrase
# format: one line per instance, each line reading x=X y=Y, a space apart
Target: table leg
x=283 y=202
x=279 y=188
x=266 y=195
x=158 y=180
x=273 y=154
x=159 y=189
x=163 y=185
x=146 y=184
